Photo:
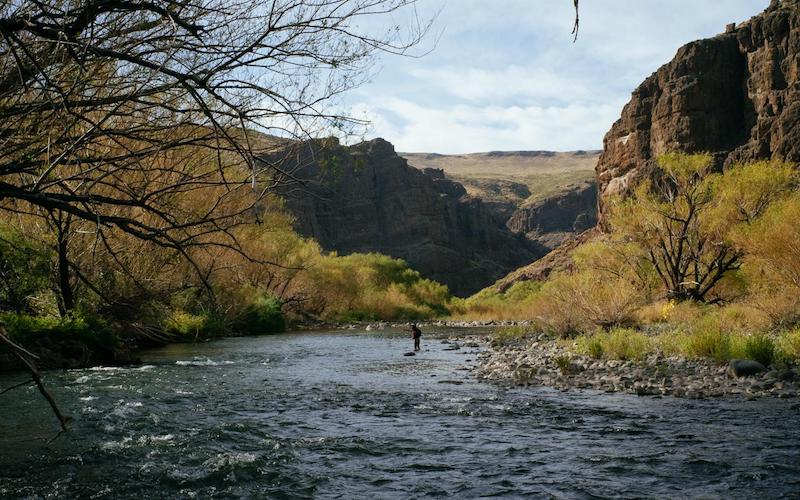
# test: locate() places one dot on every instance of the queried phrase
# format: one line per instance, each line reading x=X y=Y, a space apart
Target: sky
x=505 y=74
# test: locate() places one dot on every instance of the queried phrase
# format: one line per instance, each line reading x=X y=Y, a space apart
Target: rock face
x=736 y=95
x=554 y=220
x=365 y=198
x=559 y=259
x=549 y=196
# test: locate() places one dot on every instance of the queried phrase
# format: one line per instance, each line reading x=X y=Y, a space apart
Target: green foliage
x=190 y=327
x=617 y=343
x=771 y=268
x=685 y=224
x=263 y=315
x=24 y=270
x=509 y=334
x=522 y=290
x=29 y=329
x=373 y=286
x=789 y=345
x=563 y=364
x=760 y=348
x=706 y=343
x=185 y=324
x=490 y=303
x=593 y=346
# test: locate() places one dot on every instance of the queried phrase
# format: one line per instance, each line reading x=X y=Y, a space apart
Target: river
x=345 y=415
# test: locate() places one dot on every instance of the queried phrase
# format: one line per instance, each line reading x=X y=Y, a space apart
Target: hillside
x=366 y=198
x=504 y=175
x=548 y=196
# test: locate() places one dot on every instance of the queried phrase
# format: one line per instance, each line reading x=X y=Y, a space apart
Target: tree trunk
x=67 y=297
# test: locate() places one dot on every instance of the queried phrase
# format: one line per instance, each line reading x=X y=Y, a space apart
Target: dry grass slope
x=487 y=175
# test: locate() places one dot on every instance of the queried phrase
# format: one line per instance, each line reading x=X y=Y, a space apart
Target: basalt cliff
x=366 y=198
x=736 y=95
x=548 y=196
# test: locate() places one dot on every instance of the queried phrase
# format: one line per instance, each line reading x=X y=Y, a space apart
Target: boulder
x=745 y=367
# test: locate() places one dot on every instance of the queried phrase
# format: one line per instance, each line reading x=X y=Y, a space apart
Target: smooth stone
x=745 y=367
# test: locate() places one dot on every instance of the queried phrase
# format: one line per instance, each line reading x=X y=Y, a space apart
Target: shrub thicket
x=706 y=263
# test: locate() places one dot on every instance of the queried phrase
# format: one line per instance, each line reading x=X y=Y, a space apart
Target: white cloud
x=506 y=75
x=512 y=82
x=467 y=128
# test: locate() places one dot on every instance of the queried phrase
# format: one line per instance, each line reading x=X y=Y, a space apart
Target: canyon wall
x=735 y=95
x=365 y=198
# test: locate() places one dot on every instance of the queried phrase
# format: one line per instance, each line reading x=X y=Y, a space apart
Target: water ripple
x=346 y=416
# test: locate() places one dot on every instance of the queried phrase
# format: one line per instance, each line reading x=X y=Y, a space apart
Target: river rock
x=745 y=367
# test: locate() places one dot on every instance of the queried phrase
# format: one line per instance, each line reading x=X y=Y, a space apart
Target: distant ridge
x=548 y=196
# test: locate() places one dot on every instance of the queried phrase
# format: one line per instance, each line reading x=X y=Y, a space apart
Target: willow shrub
x=87 y=329
x=262 y=315
x=373 y=286
x=772 y=260
x=24 y=270
x=789 y=346
x=581 y=301
x=490 y=303
x=616 y=343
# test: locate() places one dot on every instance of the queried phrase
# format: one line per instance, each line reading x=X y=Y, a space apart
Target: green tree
x=683 y=222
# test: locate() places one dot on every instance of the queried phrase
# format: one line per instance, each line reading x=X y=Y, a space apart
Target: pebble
x=535 y=364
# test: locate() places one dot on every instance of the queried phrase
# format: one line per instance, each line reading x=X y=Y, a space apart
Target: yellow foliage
x=772 y=260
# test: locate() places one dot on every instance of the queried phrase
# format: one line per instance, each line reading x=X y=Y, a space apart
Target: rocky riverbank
x=425 y=324
x=541 y=361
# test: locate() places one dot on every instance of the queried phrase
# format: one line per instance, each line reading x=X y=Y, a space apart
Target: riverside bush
x=372 y=286
x=191 y=327
x=706 y=341
x=789 y=345
x=89 y=330
x=760 y=348
x=617 y=343
x=513 y=304
x=263 y=315
x=24 y=270
x=510 y=334
x=581 y=301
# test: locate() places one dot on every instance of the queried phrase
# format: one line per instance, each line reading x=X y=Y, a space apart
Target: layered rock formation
x=365 y=198
x=553 y=221
x=736 y=95
x=548 y=196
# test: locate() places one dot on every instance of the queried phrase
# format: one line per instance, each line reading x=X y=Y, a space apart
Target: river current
x=346 y=415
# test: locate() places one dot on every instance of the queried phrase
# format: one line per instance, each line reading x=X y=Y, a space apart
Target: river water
x=345 y=415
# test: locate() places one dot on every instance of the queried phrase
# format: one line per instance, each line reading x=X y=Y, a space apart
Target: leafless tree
x=105 y=103
x=144 y=117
